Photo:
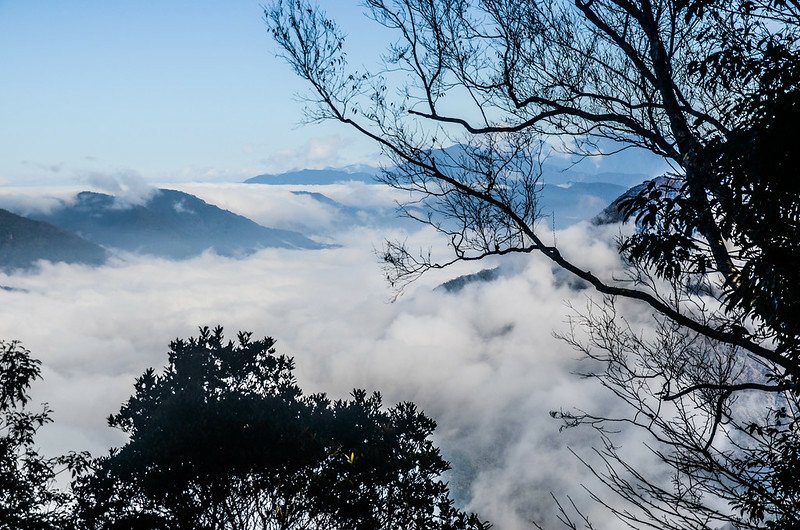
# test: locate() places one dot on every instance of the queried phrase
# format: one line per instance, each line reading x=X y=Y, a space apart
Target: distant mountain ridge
x=572 y=189
x=308 y=177
x=24 y=241
x=613 y=214
x=170 y=224
x=345 y=217
x=179 y=225
x=578 y=201
x=458 y=283
x=625 y=167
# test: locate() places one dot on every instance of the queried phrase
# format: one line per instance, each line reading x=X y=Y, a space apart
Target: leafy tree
x=710 y=86
x=29 y=498
x=224 y=438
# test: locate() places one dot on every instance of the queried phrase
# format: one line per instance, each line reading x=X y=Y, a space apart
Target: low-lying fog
x=482 y=362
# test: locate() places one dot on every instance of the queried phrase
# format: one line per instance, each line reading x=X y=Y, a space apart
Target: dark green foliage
x=750 y=175
x=224 y=438
x=758 y=196
x=774 y=497
x=751 y=178
x=29 y=499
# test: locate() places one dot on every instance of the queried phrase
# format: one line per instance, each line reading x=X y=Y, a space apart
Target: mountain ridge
x=170 y=224
x=24 y=241
x=307 y=177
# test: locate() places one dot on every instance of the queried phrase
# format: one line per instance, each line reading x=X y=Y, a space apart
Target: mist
x=483 y=362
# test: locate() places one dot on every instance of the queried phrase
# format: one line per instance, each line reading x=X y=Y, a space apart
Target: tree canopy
x=29 y=497
x=708 y=85
x=224 y=438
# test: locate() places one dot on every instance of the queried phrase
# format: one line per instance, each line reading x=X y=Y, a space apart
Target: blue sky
x=170 y=89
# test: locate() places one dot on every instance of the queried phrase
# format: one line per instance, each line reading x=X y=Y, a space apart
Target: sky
x=174 y=90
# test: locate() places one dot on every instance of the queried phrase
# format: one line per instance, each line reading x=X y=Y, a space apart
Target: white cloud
x=482 y=362
x=32 y=200
x=128 y=187
x=277 y=206
x=208 y=174
x=316 y=153
x=48 y=167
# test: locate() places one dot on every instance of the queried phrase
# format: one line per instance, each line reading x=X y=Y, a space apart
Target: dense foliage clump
x=224 y=438
x=29 y=496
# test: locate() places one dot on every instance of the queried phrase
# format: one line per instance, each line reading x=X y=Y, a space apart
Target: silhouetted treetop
x=224 y=438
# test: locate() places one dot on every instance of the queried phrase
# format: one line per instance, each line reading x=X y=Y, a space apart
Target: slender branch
x=729 y=389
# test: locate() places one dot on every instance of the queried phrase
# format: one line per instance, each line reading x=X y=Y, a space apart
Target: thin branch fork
x=327 y=99
x=729 y=389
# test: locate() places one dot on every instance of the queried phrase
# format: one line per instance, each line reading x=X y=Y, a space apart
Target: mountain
x=315 y=176
x=344 y=216
x=625 y=167
x=170 y=224
x=10 y=289
x=575 y=202
x=611 y=214
x=572 y=189
x=327 y=201
x=458 y=283
x=569 y=203
x=24 y=241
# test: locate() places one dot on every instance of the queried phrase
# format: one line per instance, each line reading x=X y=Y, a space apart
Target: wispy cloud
x=33 y=200
x=128 y=187
x=48 y=167
x=315 y=153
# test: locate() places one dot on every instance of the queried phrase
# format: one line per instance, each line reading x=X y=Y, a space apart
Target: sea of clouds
x=483 y=362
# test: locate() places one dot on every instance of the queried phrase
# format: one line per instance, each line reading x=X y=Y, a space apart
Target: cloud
x=482 y=362
x=128 y=187
x=48 y=167
x=315 y=153
x=277 y=206
x=273 y=206
x=208 y=174
x=32 y=200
